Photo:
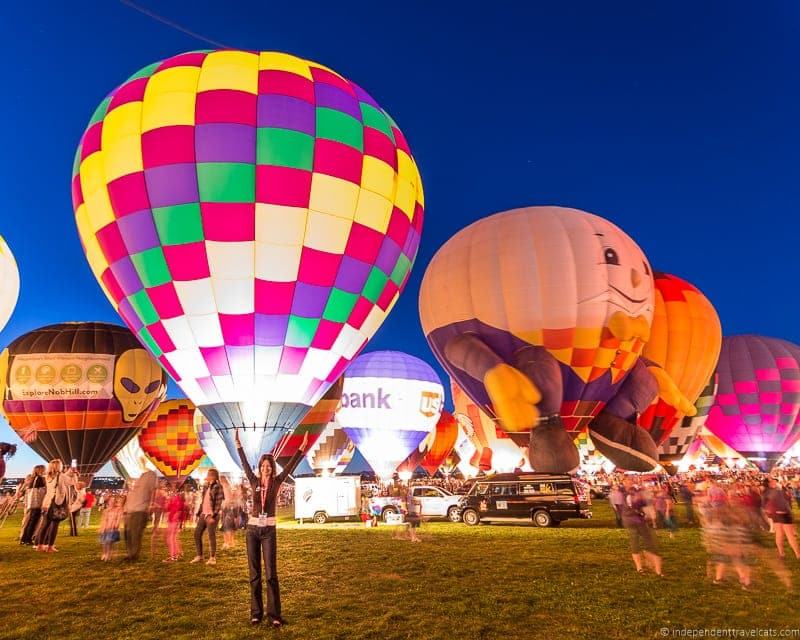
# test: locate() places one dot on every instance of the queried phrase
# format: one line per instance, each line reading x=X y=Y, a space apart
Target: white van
x=322 y=498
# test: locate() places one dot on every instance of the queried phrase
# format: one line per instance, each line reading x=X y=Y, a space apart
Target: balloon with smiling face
x=540 y=315
x=79 y=391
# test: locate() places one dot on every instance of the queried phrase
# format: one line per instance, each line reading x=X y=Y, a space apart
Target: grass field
x=342 y=581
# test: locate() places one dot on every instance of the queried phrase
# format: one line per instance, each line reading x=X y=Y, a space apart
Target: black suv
x=542 y=498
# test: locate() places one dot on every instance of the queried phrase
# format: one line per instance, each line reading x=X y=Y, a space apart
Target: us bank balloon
x=253 y=217
x=757 y=407
x=9 y=283
x=79 y=391
x=391 y=401
x=540 y=315
x=685 y=340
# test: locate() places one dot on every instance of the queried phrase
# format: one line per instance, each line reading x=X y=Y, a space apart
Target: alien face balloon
x=79 y=390
x=562 y=279
x=253 y=217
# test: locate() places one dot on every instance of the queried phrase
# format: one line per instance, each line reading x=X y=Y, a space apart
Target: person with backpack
x=33 y=490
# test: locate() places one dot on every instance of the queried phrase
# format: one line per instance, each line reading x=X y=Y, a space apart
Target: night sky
x=676 y=122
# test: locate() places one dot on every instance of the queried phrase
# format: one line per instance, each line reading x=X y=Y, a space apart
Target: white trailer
x=323 y=498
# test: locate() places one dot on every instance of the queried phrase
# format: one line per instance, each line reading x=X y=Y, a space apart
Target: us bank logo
x=430 y=403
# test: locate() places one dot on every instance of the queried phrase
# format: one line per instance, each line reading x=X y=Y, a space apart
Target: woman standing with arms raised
x=261 y=534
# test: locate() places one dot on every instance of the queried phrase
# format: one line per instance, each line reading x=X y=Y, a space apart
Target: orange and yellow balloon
x=169 y=439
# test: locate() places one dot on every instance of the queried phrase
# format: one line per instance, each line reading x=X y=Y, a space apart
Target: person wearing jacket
x=57 y=484
x=33 y=490
x=75 y=507
x=261 y=534
x=208 y=514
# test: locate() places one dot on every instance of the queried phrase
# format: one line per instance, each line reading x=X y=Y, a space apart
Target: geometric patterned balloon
x=680 y=439
x=214 y=446
x=253 y=217
x=757 y=407
x=169 y=440
x=685 y=341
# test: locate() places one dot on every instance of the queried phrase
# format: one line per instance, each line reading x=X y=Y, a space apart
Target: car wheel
x=320 y=517
x=542 y=518
x=453 y=514
x=471 y=517
x=387 y=511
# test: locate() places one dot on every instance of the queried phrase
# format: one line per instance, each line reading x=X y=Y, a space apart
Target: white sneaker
x=212 y=560
x=196 y=559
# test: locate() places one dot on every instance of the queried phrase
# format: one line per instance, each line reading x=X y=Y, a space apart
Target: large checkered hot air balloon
x=79 y=391
x=391 y=401
x=169 y=440
x=253 y=217
x=685 y=340
x=756 y=410
x=540 y=315
x=9 y=283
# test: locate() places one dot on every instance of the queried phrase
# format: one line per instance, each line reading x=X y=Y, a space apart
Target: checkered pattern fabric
x=169 y=440
x=757 y=407
x=681 y=437
x=685 y=341
x=252 y=216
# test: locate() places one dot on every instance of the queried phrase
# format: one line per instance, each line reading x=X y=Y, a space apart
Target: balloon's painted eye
x=611 y=256
x=646 y=269
x=153 y=386
x=129 y=385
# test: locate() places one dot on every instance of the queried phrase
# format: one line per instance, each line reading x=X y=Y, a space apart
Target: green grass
x=341 y=581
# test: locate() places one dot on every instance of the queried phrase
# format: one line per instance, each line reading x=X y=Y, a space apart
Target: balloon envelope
x=550 y=278
x=757 y=407
x=214 y=446
x=487 y=448
x=685 y=340
x=442 y=441
x=9 y=283
x=79 y=391
x=328 y=452
x=390 y=402
x=312 y=424
x=128 y=461
x=169 y=440
x=680 y=439
x=253 y=217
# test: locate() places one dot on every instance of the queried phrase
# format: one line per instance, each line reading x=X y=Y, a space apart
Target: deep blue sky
x=677 y=122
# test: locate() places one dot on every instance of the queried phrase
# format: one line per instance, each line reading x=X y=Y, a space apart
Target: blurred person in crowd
x=641 y=536
x=137 y=510
x=159 y=505
x=778 y=506
x=208 y=515
x=32 y=490
x=686 y=493
x=617 y=498
x=176 y=514
x=231 y=505
x=261 y=530
x=109 y=526
x=663 y=503
x=55 y=507
x=86 y=510
x=78 y=496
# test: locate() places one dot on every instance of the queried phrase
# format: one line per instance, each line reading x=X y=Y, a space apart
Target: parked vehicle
x=324 y=498
x=546 y=500
x=435 y=502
